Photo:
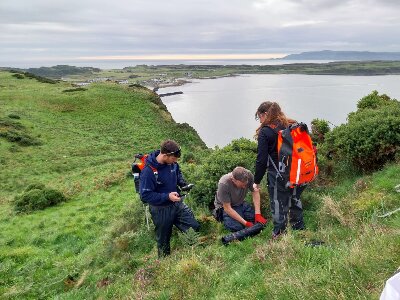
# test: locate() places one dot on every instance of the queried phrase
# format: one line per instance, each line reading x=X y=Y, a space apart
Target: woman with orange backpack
x=284 y=199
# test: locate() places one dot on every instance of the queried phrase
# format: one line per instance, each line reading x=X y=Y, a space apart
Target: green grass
x=96 y=245
x=88 y=141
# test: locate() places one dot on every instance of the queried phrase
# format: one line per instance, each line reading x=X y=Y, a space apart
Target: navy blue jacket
x=155 y=189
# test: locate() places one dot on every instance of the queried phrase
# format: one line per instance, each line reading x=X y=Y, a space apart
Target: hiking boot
x=299 y=228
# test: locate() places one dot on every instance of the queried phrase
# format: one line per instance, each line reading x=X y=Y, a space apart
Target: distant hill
x=62 y=70
x=344 y=55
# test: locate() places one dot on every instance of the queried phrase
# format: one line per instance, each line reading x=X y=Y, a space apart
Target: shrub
x=40 y=78
x=37 y=197
x=20 y=138
x=188 y=157
x=190 y=237
x=14 y=116
x=370 y=138
x=157 y=101
x=53 y=197
x=18 y=76
x=35 y=186
x=374 y=101
x=16 y=133
x=241 y=152
x=136 y=85
x=318 y=130
x=78 y=89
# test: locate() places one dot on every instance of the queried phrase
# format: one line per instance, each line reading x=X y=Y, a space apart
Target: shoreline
x=162 y=76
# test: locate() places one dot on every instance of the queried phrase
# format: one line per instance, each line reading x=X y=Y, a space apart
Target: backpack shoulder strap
x=274 y=129
x=155 y=172
x=274 y=165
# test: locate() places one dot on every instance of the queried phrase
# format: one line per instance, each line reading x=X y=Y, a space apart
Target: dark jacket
x=155 y=189
x=267 y=145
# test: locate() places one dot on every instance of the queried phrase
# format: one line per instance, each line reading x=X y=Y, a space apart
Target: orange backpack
x=297 y=157
x=138 y=167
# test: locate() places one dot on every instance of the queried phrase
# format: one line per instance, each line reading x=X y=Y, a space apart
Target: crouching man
x=230 y=205
x=161 y=193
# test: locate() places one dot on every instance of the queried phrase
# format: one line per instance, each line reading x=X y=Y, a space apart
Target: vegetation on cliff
x=95 y=243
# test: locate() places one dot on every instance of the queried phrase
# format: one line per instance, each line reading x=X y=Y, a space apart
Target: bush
x=14 y=116
x=20 y=138
x=37 y=197
x=188 y=157
x=78 y=89
x=40 y=78
x=16 y=133
x=18 y=76
x=35 y=186
x=374 y=101
x=241 y=152
x=157 y=101
x=318 y=130
x=136 y=85
x=370 y=138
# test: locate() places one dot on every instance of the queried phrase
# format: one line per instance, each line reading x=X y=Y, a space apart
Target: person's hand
x=174 y=197
x=248 y=224
x=256 y=187
x=260 y=219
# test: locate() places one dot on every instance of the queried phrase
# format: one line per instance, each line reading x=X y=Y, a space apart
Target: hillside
x=344 y=55
x=86 y=142
x=96 y=245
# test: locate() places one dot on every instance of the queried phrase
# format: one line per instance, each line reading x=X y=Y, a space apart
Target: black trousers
x=285 y=204
x=164 y=217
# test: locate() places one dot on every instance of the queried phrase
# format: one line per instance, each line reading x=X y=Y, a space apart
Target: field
x=96 y=244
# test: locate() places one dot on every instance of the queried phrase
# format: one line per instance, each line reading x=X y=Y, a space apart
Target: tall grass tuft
x=331 y=212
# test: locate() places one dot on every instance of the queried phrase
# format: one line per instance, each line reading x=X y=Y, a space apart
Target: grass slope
x=88 y=139
x=96 y=246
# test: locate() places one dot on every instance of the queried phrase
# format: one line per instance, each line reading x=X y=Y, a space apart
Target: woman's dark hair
x=273 y=116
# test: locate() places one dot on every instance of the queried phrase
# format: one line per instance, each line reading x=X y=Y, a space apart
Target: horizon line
x=185 y=56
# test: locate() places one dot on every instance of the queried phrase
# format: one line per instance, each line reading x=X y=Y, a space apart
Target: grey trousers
x=285 y=204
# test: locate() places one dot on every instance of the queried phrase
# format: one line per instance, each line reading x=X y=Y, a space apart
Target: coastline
x=161 y=76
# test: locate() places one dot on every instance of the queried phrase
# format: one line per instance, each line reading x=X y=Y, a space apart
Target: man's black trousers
x=164 y=217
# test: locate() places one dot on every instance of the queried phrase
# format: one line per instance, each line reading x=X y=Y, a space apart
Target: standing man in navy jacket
x=161 y=193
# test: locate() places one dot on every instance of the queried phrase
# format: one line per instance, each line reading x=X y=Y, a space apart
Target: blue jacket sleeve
x=180 y=179
x=262 y=157
x=148 y=188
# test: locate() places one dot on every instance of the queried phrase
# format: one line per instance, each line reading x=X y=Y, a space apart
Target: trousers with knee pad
x=285 y=204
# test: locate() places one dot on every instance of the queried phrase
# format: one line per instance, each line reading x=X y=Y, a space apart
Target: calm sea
x=120 y=64
x=223 y=109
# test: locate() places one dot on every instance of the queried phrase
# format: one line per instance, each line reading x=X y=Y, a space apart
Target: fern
x=190 y=237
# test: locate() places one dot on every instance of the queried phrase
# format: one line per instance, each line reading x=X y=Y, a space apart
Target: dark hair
x=273 y=116
x=170 y=147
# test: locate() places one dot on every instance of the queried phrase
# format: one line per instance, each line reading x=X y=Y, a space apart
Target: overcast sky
x=50 y=32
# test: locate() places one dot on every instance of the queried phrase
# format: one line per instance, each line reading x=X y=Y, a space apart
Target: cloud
x=71 y=29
